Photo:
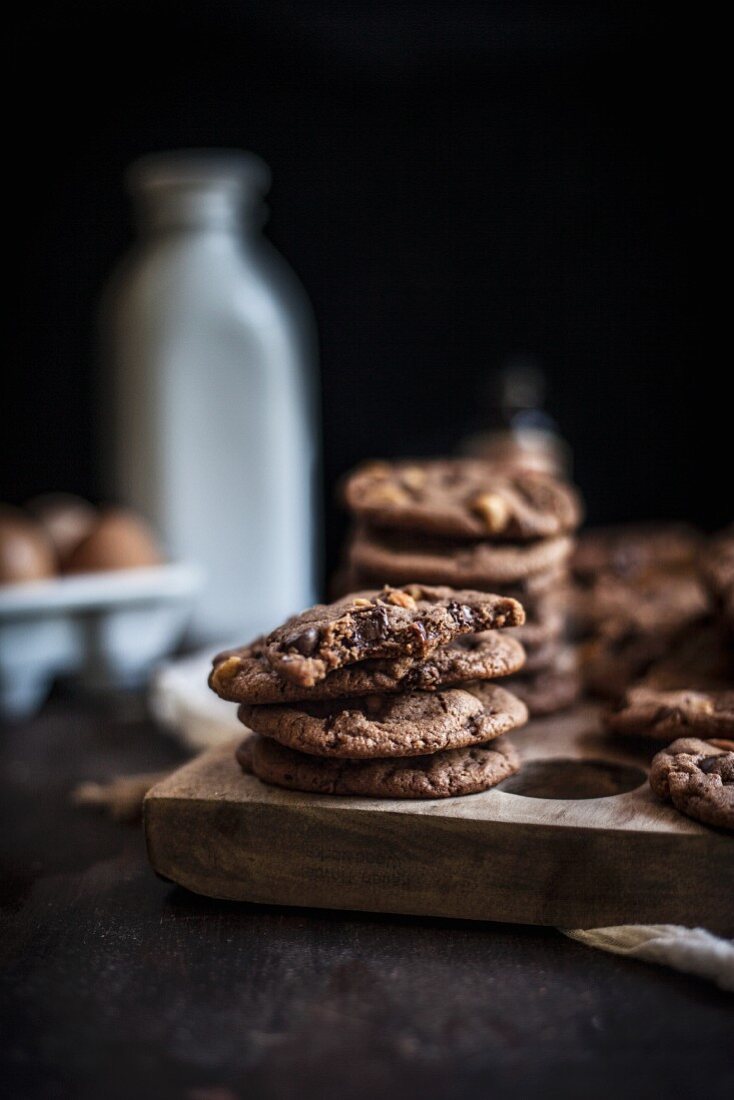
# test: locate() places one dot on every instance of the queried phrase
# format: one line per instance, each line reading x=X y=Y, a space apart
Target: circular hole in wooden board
x=573 y=779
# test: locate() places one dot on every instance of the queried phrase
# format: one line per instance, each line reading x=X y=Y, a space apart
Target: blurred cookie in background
x=717 y=568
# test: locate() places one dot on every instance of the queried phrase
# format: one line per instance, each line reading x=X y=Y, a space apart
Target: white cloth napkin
x=183 y=703
x=692 y=950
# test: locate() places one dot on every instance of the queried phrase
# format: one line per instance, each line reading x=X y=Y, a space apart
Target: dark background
x=454 y=183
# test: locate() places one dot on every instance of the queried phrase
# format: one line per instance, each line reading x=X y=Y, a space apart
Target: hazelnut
x=493 y=509
x=414 y=477
x=227 y=670
x=699 y=703
x=400 y=598
x=377 y=469
x=386 y=493
x=362 y=602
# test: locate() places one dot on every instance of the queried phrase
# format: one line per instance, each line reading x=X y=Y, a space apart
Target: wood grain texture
x=495 y=856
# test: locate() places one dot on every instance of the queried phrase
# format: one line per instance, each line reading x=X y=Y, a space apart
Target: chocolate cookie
x=413 y=621
x=529 y=591
x=467 y=498
x=390 y=725
x=699 y=660
x=698 y=778
x=442 y=775
x=245 y=676
x=717 y=562
x=661 y=602
x=484 y=565
x=614 y=660
x=665 y=714
x=630 y=551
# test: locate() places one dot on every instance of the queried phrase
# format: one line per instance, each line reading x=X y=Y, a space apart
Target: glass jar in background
x=517 y=431
x=210 y=378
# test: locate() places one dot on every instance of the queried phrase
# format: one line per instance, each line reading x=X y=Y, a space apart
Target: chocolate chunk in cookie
x=413 y=621
x=390 y=725
x=405 y=557
x=464 y=498
x=245 y=676
x=645 y=712
x=442 y=775
x=698 y=778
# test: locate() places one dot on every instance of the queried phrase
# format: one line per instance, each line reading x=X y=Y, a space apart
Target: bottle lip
x=198 y=168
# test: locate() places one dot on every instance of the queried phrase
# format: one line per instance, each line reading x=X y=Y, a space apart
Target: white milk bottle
x=210 y=380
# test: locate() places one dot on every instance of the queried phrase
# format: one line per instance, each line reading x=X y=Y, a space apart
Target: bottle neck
x=198 y=210
x=207 y=192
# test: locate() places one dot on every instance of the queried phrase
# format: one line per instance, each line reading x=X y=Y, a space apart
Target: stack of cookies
x=386 y=693
x=717 y=563
x=488 y=526
x=687 y=690
x=638 y=595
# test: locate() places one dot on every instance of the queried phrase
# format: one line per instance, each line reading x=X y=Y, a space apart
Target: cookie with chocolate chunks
x=633 y=551
x=405 y=556
x=245 y=676
x=699 y=660
x=619 y=656
x=464 y=498
x=645 y=712
x=663 y=601
x=698 y=778
x=441 y=775
x=389 y=725
x=413 y=621
x=717 y=564
x=530 y=591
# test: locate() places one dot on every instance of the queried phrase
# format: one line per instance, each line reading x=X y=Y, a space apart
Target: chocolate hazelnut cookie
x=413 y=621
x=390 y=725
x=467 y=498
x=622 y=653
x=483 y=565
x=717 y=563
x=529 y=591
x=701 y=659
x=441 y=775
x=245 y=676
x=645 y=712
x=630 y=551
x=662 y=601
x=698 y=778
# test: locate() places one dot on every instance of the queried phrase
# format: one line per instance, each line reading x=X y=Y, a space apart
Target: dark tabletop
x=116 y=984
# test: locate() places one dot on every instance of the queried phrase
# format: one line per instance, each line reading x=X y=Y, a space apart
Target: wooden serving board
x=570 y=860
